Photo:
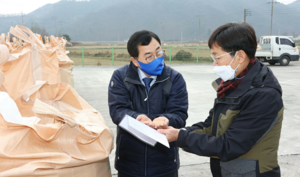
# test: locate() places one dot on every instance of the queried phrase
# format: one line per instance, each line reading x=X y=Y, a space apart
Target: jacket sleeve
x=177 y=104
x=258 y=115
x=118 y=99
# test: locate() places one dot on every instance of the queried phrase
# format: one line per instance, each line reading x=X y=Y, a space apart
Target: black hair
x=143 y=37
x=232 y=37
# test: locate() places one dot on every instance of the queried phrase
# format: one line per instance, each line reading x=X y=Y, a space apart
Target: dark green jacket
x=242 y=131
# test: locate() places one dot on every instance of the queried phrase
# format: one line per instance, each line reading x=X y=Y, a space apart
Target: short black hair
x=232 y=37
x=143 y=37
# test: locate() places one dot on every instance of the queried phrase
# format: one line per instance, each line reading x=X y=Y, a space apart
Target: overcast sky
x=27 y=6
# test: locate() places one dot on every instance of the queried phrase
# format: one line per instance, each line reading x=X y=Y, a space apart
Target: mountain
x=172 y=20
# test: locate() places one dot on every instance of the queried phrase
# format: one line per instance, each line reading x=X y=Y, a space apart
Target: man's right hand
x=146 y=120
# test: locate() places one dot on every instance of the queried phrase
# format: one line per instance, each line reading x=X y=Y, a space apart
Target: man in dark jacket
x=242 y=132
x=154 y=94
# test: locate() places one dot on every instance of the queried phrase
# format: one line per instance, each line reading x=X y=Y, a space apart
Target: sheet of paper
x=125 y=125
x=151 y=132
x=143 y=132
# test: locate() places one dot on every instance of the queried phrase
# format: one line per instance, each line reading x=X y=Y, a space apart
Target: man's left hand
x=171 y=133
x=161 y=122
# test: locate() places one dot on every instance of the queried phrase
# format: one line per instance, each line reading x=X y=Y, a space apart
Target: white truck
x=277 y=49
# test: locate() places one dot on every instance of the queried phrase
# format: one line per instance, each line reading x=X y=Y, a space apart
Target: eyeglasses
x=150 y=58
x=215 y=58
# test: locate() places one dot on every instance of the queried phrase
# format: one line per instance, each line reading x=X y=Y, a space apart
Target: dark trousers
x=175 y=174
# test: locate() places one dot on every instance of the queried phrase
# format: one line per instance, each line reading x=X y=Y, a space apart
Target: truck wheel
x=284 y=61
x=272 y=63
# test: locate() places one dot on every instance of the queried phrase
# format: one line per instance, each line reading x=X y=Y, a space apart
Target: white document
x=143 y=132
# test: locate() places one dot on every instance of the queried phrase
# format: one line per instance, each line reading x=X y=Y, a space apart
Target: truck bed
x=265 y=51
x=261 y=53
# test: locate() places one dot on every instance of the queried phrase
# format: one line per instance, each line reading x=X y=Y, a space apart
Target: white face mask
x=225 y=71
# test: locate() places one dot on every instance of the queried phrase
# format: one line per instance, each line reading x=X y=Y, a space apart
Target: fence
x=94 y=55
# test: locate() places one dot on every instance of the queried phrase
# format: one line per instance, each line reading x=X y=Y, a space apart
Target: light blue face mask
x=154 y=68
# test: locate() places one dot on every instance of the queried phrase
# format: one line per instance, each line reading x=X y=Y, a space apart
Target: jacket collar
x=133 y=76
x=245 y=85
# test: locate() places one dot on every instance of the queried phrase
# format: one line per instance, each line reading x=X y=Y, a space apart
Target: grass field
x=102 y=55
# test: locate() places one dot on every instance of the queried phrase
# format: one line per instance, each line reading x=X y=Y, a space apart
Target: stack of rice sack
x=46 y=128
x=56 y=46
x=65 y=64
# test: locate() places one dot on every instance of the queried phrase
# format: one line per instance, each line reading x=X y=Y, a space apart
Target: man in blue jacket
x=242 y=131
x=154 y=94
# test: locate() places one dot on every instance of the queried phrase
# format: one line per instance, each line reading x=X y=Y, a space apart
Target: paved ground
x=91 y=82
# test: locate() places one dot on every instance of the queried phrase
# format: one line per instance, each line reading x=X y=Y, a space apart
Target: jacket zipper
x=175 y=154
x=160 y=81
x=119 y=143
x=214 y=122
x=148 y=113
x=147 y=92
x=150 y=88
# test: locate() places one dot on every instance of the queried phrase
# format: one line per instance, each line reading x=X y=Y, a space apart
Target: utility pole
x=61 y=22
x=199 y=27
x=181 y=36
x=54 y=18
x=163 y=29
x=271 y=18
x=123 y=34
x=272 y=15
x=32 y=25
x=22 y=18
x=246 y=13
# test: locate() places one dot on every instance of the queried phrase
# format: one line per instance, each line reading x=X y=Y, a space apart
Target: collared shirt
x=142 y=75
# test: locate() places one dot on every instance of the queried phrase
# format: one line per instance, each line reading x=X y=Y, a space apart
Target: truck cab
x=277 y=49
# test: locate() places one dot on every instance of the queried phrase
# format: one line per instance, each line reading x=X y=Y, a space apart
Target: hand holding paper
x=143 y=132
x=171 y=133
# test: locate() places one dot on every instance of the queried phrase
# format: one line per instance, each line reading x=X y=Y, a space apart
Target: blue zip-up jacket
x=166 y=97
